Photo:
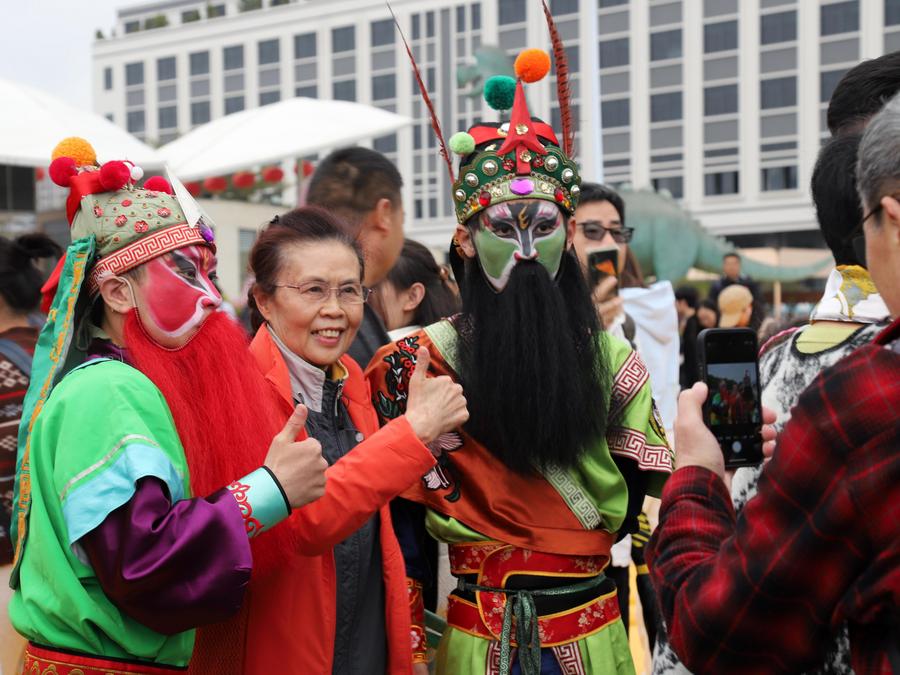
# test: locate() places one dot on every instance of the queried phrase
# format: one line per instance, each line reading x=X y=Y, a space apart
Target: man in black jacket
x=362 y=187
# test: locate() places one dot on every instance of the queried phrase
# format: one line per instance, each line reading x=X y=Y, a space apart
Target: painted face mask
x=178 y=294
x=510 y=232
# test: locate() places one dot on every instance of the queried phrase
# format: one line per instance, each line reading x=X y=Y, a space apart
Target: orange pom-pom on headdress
x=78 y=149
x=532 y=65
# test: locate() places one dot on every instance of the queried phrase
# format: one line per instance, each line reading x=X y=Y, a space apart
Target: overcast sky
x=47 y=43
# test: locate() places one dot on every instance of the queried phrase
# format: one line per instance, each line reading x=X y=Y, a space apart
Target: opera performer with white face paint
x=563 y=439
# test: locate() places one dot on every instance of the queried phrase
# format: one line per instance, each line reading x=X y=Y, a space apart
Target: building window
x=725 y=183
x=343 y=39
x=827 y=82
x=132 y=26
x=304 y=45
x=385 y=144
x=212 y=11
x=267 y=97
x=199 y=63
x=199 y=112
x=344 y=91
x=233 y=57
x=842 y=17
x=168 y=117
x=780 y=92
x=234 y=104
x=614 y=53
x=476 y=16
x=309 y=91
x=268 y=51
x=382 y=32
x=779 y=178
x=721 y=100
x=674 y=184
x=107 y=78
x=720 y=37
x=134 y=74
x=135 y=122
x=780 y=27
x=190 y=16
x=665 y=45
x=665 y=107
x=558 y=7
x=384 y=86
x=512 y=11
x=612 y=3
x=615 y=113
x=165 y=68
x=891 y=12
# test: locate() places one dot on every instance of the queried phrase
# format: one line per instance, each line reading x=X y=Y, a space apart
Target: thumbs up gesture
x=298 y=465
x=436 y=404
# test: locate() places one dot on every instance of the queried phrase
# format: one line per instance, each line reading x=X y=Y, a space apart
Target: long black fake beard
x=536 y=382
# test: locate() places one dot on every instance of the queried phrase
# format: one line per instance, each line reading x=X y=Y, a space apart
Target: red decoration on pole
x=308 y=168
x=193 y=187
x=243 y=180
x=272 y=174
x=215 y=184
x=39 y=174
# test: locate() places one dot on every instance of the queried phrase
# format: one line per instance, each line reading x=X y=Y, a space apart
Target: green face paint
x=507 y=233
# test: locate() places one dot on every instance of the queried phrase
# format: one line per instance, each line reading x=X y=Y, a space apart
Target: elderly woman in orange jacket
x=340 y=605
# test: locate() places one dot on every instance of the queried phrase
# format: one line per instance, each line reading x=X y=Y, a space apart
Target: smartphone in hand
x=602 y=263
x=733 y=411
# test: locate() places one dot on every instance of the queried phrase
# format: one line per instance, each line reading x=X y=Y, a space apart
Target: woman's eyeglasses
x=596 y=231
x=316 y=293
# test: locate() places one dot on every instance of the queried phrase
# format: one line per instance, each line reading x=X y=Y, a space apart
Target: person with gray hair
x=819 y=545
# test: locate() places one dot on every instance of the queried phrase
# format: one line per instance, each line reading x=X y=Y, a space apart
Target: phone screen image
x=603 y=263
x=732 y=410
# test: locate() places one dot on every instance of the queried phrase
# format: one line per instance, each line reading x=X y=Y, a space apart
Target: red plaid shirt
x=818 y=546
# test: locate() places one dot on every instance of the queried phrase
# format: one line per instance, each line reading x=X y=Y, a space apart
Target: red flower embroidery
x=141 y=226
x=126 y=202
x=97 y=210
x=120 y=220
x=163 y=212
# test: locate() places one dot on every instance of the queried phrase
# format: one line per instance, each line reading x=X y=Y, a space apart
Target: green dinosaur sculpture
x=489 y=61
x=668 y=242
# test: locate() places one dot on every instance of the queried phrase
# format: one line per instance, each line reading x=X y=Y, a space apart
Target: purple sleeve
x=172 y=567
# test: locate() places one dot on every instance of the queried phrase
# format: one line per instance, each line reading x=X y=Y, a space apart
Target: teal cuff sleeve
x=261 y=500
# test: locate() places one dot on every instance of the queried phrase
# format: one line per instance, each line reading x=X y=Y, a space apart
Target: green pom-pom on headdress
x=462 y=143
x=500 y=91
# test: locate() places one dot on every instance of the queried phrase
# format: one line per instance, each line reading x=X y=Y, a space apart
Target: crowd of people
x=486 y=436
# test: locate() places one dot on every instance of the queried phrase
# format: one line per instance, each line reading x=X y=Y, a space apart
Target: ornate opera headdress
x=518 y=159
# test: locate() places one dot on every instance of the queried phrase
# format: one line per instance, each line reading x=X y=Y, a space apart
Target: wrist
x=261 y=500
x=420 y=428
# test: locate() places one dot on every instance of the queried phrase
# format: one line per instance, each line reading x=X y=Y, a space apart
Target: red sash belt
x=494 y=563
x=41 y=660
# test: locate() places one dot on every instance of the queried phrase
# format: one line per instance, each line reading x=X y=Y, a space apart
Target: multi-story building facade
x=720 y=102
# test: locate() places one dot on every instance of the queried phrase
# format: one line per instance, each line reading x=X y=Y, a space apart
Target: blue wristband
x=261 y=500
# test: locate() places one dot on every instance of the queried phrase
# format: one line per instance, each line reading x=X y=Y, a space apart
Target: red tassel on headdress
x=562 y=83
x=435 y=123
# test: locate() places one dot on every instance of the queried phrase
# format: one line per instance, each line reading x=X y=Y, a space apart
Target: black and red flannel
x=819 y=545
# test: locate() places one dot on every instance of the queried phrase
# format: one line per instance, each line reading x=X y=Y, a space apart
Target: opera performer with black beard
x=563 y=440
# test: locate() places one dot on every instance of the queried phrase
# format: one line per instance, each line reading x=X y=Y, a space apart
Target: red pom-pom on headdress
x=61 y=171
x=114 y=175
x=158 y=184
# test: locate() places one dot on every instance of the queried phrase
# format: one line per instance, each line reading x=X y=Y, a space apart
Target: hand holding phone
x=732 y=411
x=602 y=263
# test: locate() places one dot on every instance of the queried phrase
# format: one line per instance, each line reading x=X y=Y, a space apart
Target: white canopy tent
x=33 y=122
x=275 y=132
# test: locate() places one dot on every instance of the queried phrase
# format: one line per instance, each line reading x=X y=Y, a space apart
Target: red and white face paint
x=176 y=295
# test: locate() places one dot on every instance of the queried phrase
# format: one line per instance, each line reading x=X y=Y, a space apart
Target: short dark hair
x=300 y=226
x=20 y=279
x=833 y=187
x=688 y=294
x=595 y=192
x=711 y=304
x=862 y=92
x=350 y=181
x=417 y=265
